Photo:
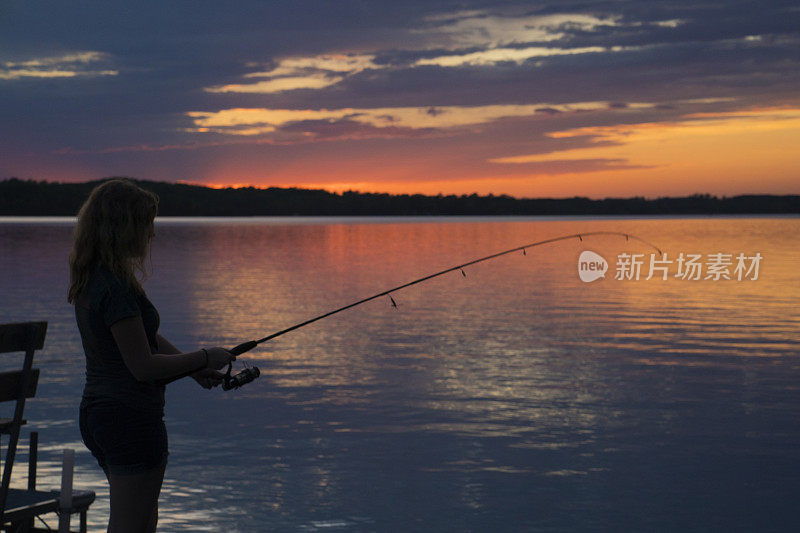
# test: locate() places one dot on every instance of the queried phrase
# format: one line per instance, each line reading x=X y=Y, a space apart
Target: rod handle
x=244 y=347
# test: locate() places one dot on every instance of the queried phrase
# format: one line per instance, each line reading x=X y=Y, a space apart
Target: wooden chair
x=18 y=507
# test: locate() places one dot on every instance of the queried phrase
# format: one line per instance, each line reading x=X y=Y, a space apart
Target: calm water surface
x=517 y=398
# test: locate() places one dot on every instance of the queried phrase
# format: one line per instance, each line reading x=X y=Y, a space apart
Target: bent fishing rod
x=251 y=373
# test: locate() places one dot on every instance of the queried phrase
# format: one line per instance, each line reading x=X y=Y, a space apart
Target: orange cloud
x=739 y=150
x=302 y=72
x=258 y=121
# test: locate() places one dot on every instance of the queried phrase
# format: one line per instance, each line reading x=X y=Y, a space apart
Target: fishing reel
x=242 y=378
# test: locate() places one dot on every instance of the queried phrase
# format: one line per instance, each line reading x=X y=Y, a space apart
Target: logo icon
x=591 y=266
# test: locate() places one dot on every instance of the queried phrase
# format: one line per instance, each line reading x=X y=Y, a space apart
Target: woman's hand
x=208 y=377
x=219 y=357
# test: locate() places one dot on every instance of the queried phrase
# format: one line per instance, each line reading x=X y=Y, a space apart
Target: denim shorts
x=124 y=440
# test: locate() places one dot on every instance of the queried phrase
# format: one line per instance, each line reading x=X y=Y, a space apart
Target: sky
x=558 y=98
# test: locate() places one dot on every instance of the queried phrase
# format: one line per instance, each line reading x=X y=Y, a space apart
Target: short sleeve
x=118 y=302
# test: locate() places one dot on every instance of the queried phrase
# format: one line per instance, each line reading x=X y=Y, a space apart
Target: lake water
x=517 y=398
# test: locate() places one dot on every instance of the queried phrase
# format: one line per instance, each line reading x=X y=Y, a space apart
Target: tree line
x=41 y=198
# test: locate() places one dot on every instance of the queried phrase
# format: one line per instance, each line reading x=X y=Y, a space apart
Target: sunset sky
x=557 y=98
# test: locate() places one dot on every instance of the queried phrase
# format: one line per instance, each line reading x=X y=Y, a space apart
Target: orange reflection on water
x=474 y=344
x=520 y=351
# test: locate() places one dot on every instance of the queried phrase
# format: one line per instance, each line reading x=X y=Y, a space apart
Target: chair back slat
x=22 y=336
x=17 y=385
x=10 y=382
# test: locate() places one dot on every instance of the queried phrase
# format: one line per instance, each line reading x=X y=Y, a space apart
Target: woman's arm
x=206 y=377
x=132 y=342
x=164 y=346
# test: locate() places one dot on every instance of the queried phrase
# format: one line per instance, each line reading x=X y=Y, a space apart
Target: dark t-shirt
x=106 y=300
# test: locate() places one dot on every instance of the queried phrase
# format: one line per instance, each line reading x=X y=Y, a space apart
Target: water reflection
x=475 y=397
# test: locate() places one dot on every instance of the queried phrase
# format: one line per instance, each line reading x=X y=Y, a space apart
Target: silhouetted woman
x=127 y=361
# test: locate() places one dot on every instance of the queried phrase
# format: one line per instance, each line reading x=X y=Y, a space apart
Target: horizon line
x=239 y=186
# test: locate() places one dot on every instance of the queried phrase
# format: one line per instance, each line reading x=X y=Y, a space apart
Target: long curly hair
x=114 y=230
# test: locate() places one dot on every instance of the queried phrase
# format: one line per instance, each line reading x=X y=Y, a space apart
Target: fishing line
x=249 y=374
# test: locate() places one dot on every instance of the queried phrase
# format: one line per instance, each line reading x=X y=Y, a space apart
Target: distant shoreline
x=27 y=198
x=398 y=219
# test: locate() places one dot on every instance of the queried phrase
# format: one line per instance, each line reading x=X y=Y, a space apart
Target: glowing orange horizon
x=751 y=151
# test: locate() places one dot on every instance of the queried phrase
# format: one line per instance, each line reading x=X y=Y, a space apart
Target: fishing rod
x=251 y=373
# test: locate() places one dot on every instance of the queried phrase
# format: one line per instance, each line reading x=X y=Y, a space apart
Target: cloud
x=259 y=121
x=703 y=124
x=471 y=38
x=480 y=28
x=344 y=63
x=304 y=72
x=448 y=52
x=465 y=87
x=502 y=55
x=320 y=72
x=655 y=144
x=277 y=85
x=672 y=23
x=550 y=167
x=64 y=66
